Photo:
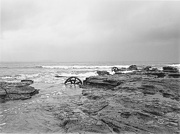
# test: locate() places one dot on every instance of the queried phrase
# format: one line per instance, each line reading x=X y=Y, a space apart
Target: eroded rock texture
x=124 y=103
x=16 y=91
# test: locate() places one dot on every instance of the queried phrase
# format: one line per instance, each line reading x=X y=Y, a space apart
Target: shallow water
x=32 y=115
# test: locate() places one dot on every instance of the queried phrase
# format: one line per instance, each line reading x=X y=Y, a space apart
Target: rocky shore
x=140 y=102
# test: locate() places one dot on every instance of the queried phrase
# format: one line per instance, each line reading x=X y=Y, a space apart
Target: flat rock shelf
x=16 y=91
x=124 y=103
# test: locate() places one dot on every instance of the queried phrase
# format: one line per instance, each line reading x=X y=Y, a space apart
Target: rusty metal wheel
x=73 y=80
x=115 y=69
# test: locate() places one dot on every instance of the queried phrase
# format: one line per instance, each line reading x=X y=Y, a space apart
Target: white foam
x=49 y=75
x=16 y=78
x=7 y=77
x=27 y=76
x=80 y=74
x=175 y=65
x=2 y=124
x=84 y=67
x=127 y=71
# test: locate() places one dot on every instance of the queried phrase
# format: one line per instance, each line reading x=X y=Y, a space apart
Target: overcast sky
x=89 y=30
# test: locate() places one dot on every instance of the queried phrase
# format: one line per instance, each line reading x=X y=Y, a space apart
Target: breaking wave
x=82 y=67
x=47 y=77
x=78 y=74
x=176 y=65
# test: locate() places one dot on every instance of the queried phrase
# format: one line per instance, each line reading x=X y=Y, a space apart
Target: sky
x=89 y=31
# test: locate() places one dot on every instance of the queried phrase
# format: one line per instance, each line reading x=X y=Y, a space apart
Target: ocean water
x=31 y=116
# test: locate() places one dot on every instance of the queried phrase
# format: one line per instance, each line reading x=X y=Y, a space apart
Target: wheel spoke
x=73 y=80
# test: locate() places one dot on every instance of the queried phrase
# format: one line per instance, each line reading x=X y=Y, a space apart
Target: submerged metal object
x=114 y=69
x=73 y=80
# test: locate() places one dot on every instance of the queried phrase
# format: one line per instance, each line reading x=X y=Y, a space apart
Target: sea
x=32 y=116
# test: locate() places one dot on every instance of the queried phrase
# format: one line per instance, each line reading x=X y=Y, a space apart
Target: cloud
x=89 y=30
x=147 y=21
x=14 y=13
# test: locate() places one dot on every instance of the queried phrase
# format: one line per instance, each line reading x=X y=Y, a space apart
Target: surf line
x=2 y=124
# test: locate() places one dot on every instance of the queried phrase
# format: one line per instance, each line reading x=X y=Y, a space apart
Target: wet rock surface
x=101 y=73
x=132 y=67
x=170 y=69
x=17 y=91
x=167 y=71
x=123 y=103
x=144 y=101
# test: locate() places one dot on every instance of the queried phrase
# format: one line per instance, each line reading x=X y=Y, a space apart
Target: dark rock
x=174 y=75
x=16 y=91
x=158 y=74
x=170 y=69
x=119 y=70
x=132 y=67
x=151 y=69
x=115 y=69
x=100 y=82
x=101 y=73
x=122 y=69
x=58 y=76
x=28 y=82
x=154 y=69
x=147 y=68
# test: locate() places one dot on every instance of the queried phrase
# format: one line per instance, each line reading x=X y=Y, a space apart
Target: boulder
x=170 y=69
x=101 y=73
x=147 y=68
x=150 y=69
x=115 y=69
x=122 y=69
x=17 y=91
x=132 y=67
x=100 y=82
x=154 y=69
